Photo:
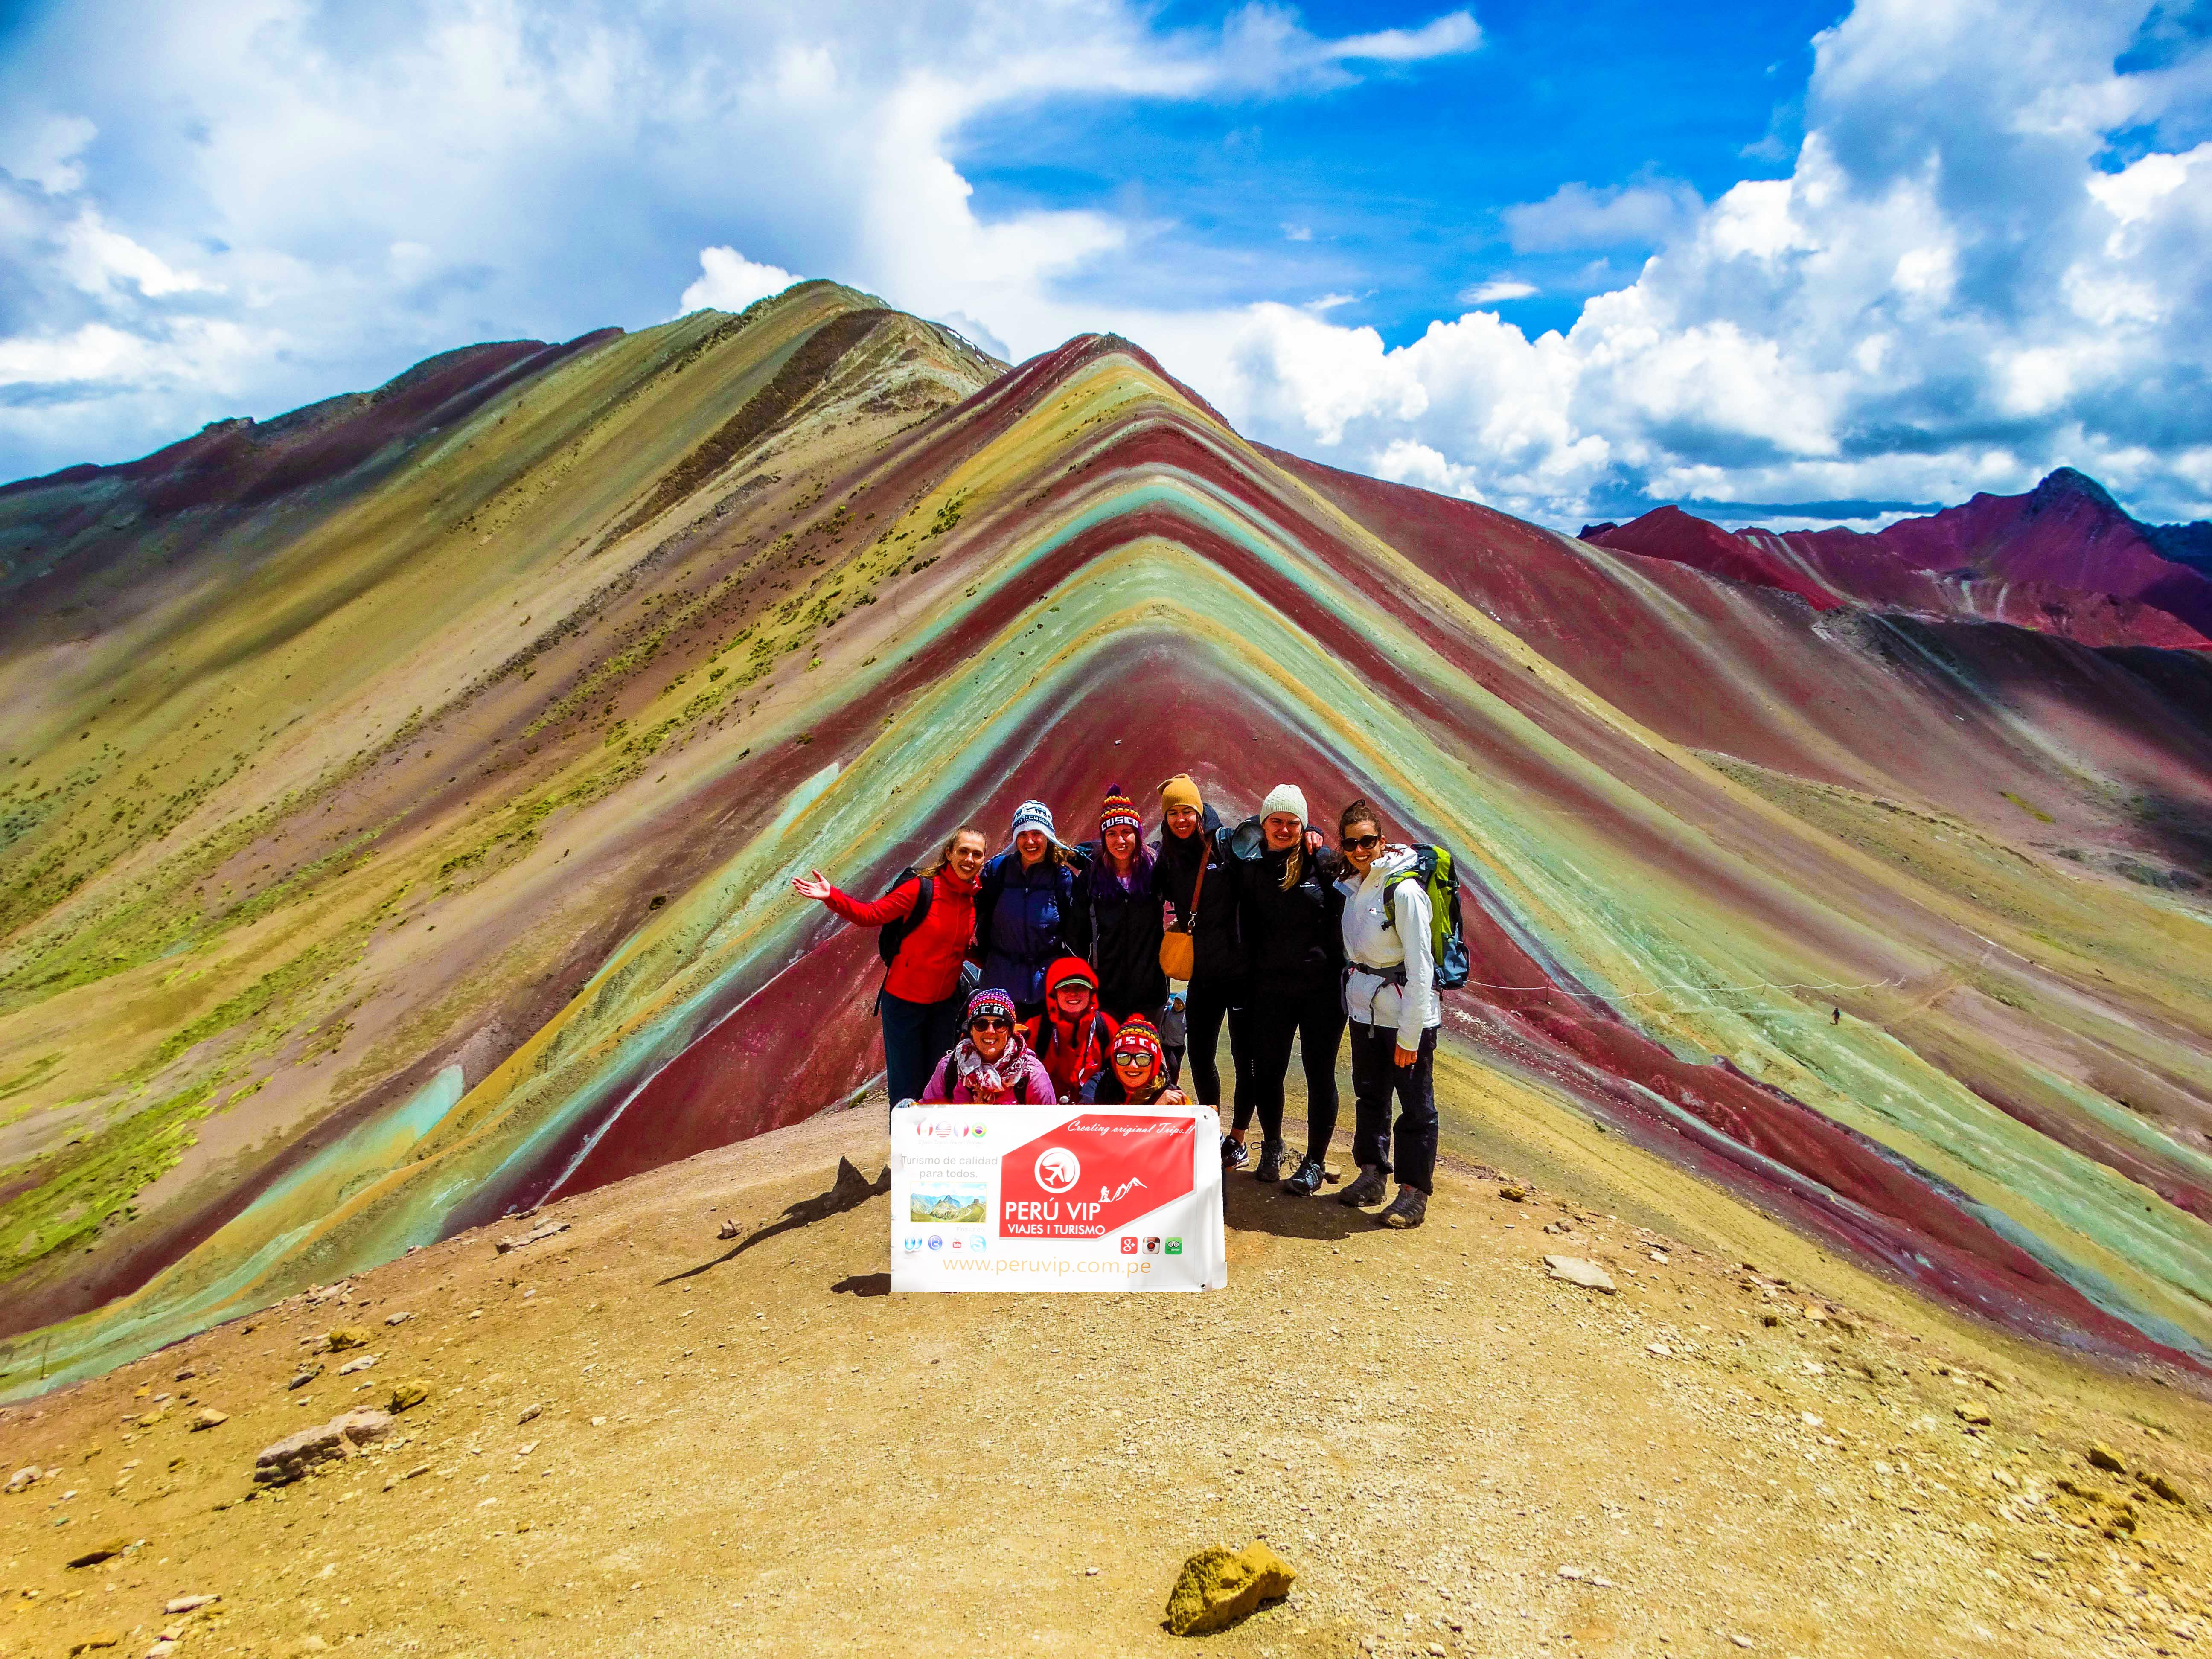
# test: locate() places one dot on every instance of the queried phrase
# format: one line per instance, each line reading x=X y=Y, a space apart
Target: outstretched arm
x=813 y=884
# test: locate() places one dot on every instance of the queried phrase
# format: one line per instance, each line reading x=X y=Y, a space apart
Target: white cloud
x=1496 y=291
x=730 y=281
x=1578 y=216
x=1948 y=292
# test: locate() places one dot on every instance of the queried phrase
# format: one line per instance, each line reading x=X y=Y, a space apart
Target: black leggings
x=1208 y=1003
x=1315 y=1018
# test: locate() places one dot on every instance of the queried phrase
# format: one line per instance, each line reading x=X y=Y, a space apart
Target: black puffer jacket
x=1117 y=931
x=1219 y=936
x=1295 y=939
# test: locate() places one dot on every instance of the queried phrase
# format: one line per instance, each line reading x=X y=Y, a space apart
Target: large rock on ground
x=296 y=1455
x=1219 y=1587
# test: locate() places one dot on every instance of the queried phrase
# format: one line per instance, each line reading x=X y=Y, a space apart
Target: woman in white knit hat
x=1027 y=894
x=1293 y=929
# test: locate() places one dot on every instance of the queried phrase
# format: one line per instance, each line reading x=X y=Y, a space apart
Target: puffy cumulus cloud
x=1960 y=285
x=235 y=206
x=730 y=281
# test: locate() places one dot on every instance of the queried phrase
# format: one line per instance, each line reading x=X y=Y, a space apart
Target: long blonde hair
x=936 y=865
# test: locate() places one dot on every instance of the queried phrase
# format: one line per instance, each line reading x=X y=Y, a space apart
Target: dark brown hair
x=1358 y=812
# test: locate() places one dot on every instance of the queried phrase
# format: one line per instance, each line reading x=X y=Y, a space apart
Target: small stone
x=1576 y=1271
x=300 y=1453
x=106 y=1639
x=1570 y=1573
x=1514 y=1194
x=529 y=1414
x=1661 y=1258
x=598 y=1422
x=420 y=1469
x=360 y=1364
x=398 y=1318
x=304 y=1376
x=98 y=1552
x=185 y=1374
x=1972 y=1416
x=727 y=1230
x=2164 y=1486
x=1219 y=1587
x=544 y=1230
x=208 y=1417
x=1658 y=1350
x=1740 y=1641
x=2102 y=1456
x=342 y=1337
x=407 y=1395
x=25 y=1477
x=163 y=1649
x=189 y=1603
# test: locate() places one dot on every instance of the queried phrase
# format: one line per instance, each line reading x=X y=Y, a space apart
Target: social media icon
x=1175 y=1247
x=937 y=1241
x=1151 y=1247
x=1129 y=1246
x=913 y=1243
x=977 y=1243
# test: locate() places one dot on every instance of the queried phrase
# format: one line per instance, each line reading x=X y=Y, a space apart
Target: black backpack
x=892 y=934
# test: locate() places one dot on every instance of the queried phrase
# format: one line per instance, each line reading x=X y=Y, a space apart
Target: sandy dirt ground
x=641 y=1439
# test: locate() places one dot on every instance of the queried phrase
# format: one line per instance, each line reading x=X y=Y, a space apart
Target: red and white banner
x=1056 y=1197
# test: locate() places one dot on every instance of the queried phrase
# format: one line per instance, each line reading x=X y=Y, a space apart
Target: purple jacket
x=1033 y=1086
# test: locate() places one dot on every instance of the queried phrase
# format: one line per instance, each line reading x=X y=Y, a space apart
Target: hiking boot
x=1233 y=1155
x=1271 y=1162
x=1307 y=1182
x=1409 y=1209
x=1373 y=1182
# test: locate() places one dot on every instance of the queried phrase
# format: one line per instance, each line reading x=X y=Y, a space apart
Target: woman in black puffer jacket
x=1115 y=925
x=1294 y=939
x=1192 y=837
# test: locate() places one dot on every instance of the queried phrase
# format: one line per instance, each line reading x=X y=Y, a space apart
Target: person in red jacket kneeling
x=1070 y=1036
x=919 y=1002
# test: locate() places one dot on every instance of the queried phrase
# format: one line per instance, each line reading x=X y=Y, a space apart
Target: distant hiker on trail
x=928 y=922
x=1071 y=1034
x=1138 y=1072
x=1194 y=873
x=990 y=1066
x=1117 y=923
x=1022 y=909
x=1294 y=934
x=1390 y=993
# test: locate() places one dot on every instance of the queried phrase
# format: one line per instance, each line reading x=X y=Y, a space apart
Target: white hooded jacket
x=1370 y=998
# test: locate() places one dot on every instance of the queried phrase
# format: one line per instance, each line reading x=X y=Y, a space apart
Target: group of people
x=1038 y=975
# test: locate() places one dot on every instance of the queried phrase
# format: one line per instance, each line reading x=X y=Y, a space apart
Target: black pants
x=1376 y=1074
x=1315 y=1019
x=915 y=1037
x=1207 y=1005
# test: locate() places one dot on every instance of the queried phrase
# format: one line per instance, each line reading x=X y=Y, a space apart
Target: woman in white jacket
x=1390 y=993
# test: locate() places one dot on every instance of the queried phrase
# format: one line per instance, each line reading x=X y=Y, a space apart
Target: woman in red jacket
x=922 y=998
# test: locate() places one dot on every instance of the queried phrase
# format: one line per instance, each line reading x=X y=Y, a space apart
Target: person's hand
x=1174 y=1097
x=813 y=884
x=1314 y=840
x=1406 y=1056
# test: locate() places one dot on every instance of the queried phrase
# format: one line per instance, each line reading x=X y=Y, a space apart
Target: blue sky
x=1790 y=262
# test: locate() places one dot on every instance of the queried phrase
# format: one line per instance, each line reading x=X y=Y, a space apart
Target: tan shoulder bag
x=1178 y=950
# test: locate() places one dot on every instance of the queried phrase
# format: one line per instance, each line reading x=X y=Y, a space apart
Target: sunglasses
x=1133 y=1060
x=1361 y=843
x=990 y=1024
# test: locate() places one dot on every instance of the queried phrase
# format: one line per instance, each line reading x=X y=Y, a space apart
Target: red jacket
x=927 y=966
x=1074 y=1056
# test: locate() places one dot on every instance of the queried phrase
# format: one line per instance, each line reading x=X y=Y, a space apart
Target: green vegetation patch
x=61 y=1200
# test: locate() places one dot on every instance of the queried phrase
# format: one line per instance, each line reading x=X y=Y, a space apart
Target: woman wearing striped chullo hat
x=1117 y=924
x=1021 y=911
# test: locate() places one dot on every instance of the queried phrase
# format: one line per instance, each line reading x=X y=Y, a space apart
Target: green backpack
x=1434 y=869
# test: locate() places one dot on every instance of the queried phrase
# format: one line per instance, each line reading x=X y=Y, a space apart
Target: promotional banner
x=1056 y=1197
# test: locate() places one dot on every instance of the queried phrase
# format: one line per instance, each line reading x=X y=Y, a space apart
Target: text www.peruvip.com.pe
x=1049 y=1268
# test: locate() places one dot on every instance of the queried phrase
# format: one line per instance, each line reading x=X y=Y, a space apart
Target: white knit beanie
x=1284 y=797
x=1034 y=815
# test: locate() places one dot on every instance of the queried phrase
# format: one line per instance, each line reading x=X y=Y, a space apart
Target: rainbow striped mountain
x=398 y=801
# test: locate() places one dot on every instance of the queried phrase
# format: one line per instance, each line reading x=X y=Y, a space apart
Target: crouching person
x=1137 y=1072
x=991 y=1064
x=1071 y=1036
x=1390 y=993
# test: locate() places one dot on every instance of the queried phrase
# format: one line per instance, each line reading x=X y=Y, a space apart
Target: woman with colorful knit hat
x=1137 y=1069
x=1294 y=933
x=992 y=1065
x=1115 y=925
x=1197 y=877
x=1021 y=911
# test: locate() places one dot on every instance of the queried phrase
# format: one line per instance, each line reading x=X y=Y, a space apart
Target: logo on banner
x=1128 y=1245
x=1151 y=1247
x=1175 y=1247
x=937 y=1241
x=1094 y=1174
x=913 y=1243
